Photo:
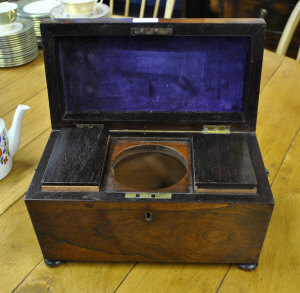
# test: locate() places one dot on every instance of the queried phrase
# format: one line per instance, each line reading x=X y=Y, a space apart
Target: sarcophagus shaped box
x=153 y=154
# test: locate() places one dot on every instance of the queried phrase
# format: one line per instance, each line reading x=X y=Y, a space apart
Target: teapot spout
x=14 y=134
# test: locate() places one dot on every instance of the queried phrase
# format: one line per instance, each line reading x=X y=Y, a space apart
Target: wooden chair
x=168 y=10
x=288 y=32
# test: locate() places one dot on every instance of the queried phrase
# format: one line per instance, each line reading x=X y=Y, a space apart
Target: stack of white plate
x=60 y=12
x=18 y=45
x=36 y=10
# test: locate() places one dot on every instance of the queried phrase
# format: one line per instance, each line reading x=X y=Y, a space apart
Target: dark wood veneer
x=178 y=232
x=189 y=227
x=264 y=195
x=78 y=158
x=223 y=161
x=218 y=226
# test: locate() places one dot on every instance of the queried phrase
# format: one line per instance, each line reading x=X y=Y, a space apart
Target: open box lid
x=177 y=74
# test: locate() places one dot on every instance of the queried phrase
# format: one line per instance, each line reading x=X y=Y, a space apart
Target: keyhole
x=148 y=216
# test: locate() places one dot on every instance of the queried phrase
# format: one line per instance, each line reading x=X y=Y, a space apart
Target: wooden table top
x=21 y=263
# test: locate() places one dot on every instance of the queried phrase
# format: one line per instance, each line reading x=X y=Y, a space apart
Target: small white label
x=145 y=20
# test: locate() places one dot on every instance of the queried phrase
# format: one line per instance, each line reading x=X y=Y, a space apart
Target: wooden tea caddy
x=153 y=154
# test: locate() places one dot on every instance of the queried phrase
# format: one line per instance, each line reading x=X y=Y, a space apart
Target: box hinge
x=151 y=31
x=216 y=129
x=89 y=126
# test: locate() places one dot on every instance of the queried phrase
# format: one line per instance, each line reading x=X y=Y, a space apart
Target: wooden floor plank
x=12 y=74
x=173 y=278
x=20 y=251
x=76 y=277
x=17 y=182
x=22 y=89
x=279 y=266
x=271 y=63
x=278 y=114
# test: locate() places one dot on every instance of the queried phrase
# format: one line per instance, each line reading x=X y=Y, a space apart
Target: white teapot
x=10 y=140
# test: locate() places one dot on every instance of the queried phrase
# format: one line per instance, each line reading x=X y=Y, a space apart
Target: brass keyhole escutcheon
x=148 y=216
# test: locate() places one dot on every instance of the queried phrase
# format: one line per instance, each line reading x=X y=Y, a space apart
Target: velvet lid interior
x=153 y=74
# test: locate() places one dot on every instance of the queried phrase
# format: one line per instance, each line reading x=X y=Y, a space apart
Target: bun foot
x=52 y=263
x=247 y=266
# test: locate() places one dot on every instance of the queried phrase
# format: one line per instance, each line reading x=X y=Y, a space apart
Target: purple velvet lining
x=169 y=74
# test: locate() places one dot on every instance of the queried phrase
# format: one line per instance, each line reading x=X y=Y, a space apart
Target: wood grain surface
x=78 y=157
x=178 y=232
x=19 y=88
x=76 y=277
x=223 y=161
x=70 y=188
x=278 y=114
x=175 y=278
x=20 y=251
x=278 y=126
x=271 y=63
x=280 y=261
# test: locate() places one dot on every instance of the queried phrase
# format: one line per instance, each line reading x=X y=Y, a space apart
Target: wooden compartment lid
x=173 y=72
x=78 y=160
x=223 y=164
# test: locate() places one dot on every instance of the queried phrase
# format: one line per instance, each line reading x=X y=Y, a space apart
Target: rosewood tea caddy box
x=153 y=154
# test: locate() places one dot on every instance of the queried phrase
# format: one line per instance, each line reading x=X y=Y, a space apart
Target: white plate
x=40 y=7
x=16 y=27
x=36 y=9
x=59 y=12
